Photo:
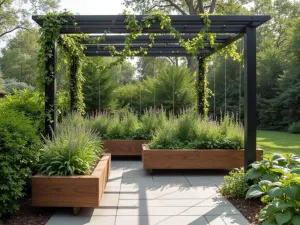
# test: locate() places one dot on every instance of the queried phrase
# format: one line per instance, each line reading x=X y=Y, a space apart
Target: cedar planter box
x=124 y=147
x=72 y=191
x=194 y=159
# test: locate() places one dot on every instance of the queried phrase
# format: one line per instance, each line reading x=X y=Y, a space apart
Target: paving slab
x=100 y=211
x=160 y=202
x=140 y=220
x=227 y=220
x=151 y=211
x=211 y=211
x=81 y=220
x=134 y=197
x=180 y=220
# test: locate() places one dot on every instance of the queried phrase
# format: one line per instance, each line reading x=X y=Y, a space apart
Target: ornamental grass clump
x=74 y=150
x=116 y=126
x=189 y=131
x=128 y=126
x=150 y=121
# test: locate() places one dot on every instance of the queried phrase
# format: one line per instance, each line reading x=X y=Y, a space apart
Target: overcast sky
x=93 y=7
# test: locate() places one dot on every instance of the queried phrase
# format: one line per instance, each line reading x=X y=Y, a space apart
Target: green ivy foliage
x=18 y=157
x=50 y=34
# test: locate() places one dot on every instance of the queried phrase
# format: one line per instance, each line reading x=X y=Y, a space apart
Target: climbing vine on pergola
x=156 y=34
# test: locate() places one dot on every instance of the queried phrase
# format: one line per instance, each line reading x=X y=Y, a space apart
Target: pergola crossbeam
x=145 y=39
x=113 y=28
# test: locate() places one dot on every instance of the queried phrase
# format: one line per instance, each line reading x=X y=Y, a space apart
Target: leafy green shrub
x=272 y=167
x=236 y=185
x=26 y=102
x=175 y=89
x=282 y=198
x=276 y=180
x=73 y=151
x=12 y=85
x=189 y=131
x=172 y=88
x=294 y=128
x=19 y=144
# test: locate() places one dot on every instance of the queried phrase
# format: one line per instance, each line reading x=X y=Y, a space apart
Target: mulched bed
x=249 y=208
x=28 y=215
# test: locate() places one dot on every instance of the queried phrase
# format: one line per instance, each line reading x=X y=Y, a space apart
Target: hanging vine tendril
x=73 y=46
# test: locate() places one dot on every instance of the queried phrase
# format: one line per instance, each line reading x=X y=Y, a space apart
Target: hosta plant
x=272 y=167
x=276 y=180
x=282 y=198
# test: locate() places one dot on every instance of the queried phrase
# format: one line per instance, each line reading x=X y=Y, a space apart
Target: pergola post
x=250 y=96
x=200 y=86
x=50 y=91
x=73 y=83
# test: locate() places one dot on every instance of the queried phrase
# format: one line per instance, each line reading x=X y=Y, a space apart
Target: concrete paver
x=134 y=197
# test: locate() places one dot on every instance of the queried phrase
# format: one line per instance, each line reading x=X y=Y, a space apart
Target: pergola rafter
x=113 y=30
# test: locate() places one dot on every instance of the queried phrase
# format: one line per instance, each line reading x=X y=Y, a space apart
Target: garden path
x=134 y=197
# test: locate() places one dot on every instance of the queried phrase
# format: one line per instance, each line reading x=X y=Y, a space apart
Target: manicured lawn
x=281 y=142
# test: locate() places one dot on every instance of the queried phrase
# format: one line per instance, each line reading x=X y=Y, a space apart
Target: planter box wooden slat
x=72 y=191
x=124 y=147
x=194 y=159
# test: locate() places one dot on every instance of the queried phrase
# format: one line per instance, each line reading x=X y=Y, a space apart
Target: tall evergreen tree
x=19 y=57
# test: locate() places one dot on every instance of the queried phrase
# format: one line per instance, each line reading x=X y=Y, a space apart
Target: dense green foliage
x=127 y=125
x=172 y=89
x=26 y=102
x=74 y=150
x=11 y=85
x=277 y=180
x=1 y=83
x=277 y=67
x=294 y=128
x=189 y=131
x=99 y=85
x=235 y=184
x=150 y=66
x=19 y=57
x=18 y=157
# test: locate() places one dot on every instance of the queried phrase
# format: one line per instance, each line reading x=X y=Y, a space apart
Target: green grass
x=279 y=142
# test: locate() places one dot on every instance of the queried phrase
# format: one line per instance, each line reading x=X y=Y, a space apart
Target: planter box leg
x=76 y=210
x=150 y=171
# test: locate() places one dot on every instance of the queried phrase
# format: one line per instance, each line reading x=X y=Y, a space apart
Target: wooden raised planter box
x=194 y=159
x=124 y=147
x=72 y=191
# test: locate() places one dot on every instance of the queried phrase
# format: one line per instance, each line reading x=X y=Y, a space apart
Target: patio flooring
x=134 y=197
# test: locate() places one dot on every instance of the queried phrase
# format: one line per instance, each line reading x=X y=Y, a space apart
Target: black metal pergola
x=228 y=29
